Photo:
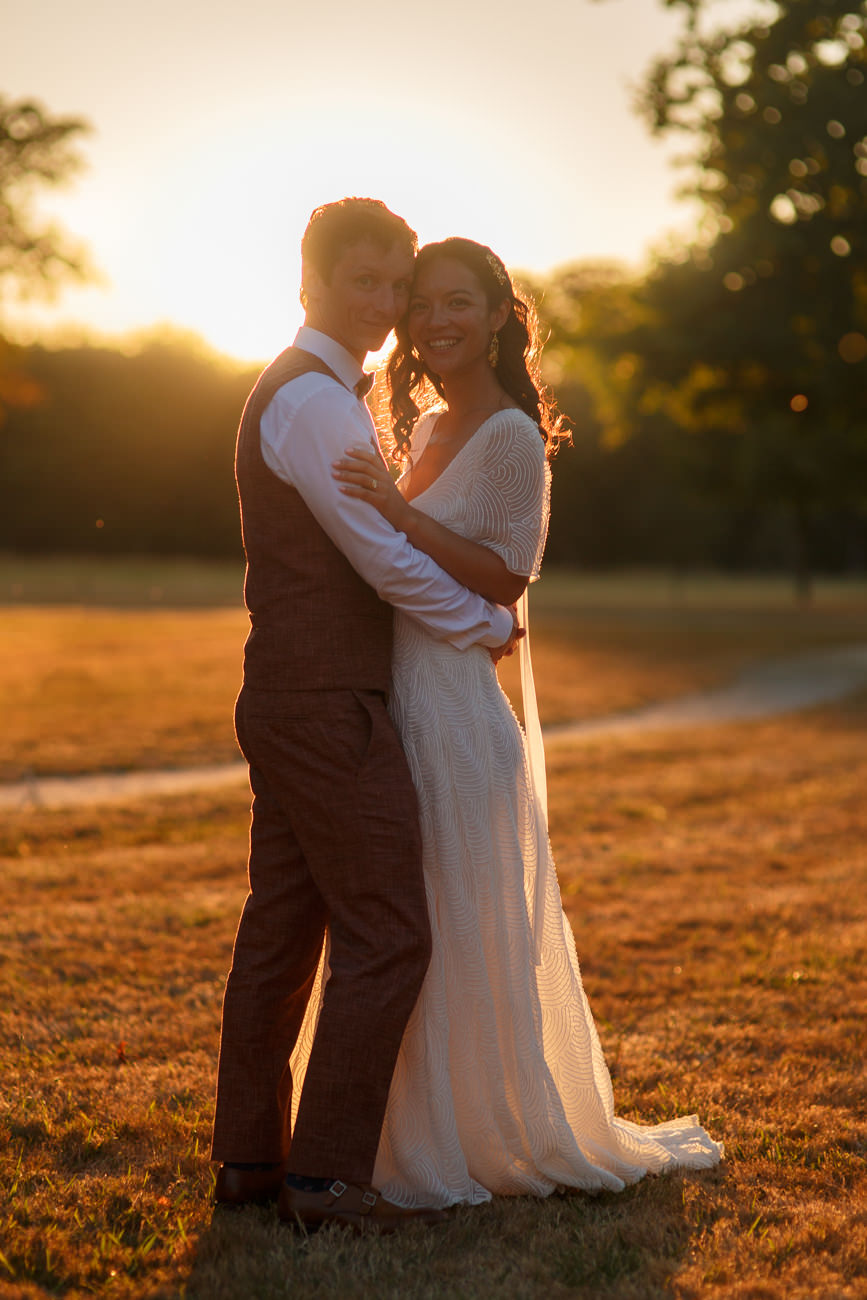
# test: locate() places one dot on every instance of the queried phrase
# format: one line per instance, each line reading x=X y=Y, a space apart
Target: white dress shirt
x=311 y=422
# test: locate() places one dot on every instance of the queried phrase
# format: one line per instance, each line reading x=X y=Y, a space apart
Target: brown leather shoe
x=351 y=1206
x=247 y=1186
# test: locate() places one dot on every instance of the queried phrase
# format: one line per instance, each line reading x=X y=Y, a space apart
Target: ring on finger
x=373 y=484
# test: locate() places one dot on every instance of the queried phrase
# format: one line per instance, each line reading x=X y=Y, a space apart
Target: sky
x=217 y=127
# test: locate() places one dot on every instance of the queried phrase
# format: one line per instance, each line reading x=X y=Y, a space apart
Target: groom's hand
x=503 y=651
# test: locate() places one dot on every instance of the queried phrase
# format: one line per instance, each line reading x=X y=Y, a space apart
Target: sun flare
x=200 y=182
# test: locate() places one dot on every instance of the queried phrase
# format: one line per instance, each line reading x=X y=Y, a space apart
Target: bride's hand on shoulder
x=361 y=473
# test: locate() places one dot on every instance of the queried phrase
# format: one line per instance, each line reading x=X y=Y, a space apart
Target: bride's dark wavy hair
x=414 y=387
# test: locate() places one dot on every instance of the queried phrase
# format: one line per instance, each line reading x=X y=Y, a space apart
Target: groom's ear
x=312 y=284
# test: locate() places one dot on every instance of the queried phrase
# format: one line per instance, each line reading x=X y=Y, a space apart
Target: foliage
x=754 y=339
x=131 y=453
x=125 y=454
x=776 y=304
x=35 y=150
x=624 y=492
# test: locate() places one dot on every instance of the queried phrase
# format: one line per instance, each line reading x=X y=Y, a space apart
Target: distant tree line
x=123 y=454
x=133 y=454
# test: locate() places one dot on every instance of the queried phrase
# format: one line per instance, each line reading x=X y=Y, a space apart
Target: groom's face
x=365 y=296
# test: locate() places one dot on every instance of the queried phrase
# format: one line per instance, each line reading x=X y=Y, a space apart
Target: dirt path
x=762 y=691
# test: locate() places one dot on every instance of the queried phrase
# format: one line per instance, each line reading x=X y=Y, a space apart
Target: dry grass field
x=120 y=665
x=717 y=886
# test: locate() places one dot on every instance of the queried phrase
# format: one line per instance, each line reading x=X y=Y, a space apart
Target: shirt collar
x=335 y=356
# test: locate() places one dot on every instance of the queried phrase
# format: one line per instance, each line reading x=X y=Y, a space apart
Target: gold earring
x=494 y=351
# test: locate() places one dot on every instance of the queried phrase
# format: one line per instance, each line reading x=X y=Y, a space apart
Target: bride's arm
x=361 y=473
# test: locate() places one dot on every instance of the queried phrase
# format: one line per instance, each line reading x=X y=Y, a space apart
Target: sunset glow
x=216 y=134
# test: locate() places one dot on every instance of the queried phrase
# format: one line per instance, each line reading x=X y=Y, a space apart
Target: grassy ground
x=717 y=885
x=121 y=582
x=103 y=655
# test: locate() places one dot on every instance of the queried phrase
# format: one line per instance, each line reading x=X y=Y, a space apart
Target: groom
x=334 y=839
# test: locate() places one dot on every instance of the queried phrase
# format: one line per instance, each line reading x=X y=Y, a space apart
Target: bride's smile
x=440 y=345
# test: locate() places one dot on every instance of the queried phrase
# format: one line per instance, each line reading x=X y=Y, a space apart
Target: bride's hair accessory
x=498 y=269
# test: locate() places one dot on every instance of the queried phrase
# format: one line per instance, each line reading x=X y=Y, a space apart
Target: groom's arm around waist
x=310 y=423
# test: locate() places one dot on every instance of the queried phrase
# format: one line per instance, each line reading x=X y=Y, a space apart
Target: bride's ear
x=500 y=315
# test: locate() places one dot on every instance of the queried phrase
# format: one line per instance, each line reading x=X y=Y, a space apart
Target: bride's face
x=450 y=322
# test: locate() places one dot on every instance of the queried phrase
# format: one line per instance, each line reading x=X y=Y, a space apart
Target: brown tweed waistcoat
x=315 y=624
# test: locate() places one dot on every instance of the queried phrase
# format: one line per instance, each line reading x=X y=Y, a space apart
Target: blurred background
x=682 y=186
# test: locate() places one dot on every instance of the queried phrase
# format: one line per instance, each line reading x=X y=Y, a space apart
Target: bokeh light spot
x=782 y=209
x=852 y=348
x=799 y=402
x=624 y=367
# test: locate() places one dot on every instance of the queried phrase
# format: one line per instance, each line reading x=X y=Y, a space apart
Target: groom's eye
x=365 y=281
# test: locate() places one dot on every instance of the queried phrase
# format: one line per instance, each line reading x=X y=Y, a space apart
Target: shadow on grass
x=626 y=1245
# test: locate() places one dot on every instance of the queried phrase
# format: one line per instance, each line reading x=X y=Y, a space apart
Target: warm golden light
x=226 y=130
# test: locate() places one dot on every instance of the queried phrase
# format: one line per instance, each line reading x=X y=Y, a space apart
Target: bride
x=501 y=1086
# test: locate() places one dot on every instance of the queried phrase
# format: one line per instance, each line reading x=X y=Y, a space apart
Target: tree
x=770 y=309
x=35 y=150
x=755 y=337
x=124 y=454
x=627 y=490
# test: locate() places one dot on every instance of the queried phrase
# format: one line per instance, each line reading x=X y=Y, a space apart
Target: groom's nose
x=391 y=301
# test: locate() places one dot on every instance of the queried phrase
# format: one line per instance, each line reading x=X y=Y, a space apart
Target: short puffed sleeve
x=509 y=501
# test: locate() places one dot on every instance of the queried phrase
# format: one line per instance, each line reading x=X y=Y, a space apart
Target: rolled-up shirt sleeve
x=309 y=424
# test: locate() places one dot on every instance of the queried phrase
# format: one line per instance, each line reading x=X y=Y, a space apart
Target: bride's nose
x=438 y=314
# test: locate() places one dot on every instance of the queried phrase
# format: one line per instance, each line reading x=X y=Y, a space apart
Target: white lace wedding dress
x=501 y=1086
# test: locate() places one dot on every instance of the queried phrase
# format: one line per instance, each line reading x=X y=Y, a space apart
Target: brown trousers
x=334 y=842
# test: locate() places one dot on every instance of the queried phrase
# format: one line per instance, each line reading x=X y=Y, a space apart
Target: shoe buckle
x=369 y=1199
x=337 y=1188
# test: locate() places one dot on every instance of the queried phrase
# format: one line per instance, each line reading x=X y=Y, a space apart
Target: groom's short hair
x=334 y=227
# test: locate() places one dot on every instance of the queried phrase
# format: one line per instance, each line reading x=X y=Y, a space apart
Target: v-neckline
x=460 y=451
